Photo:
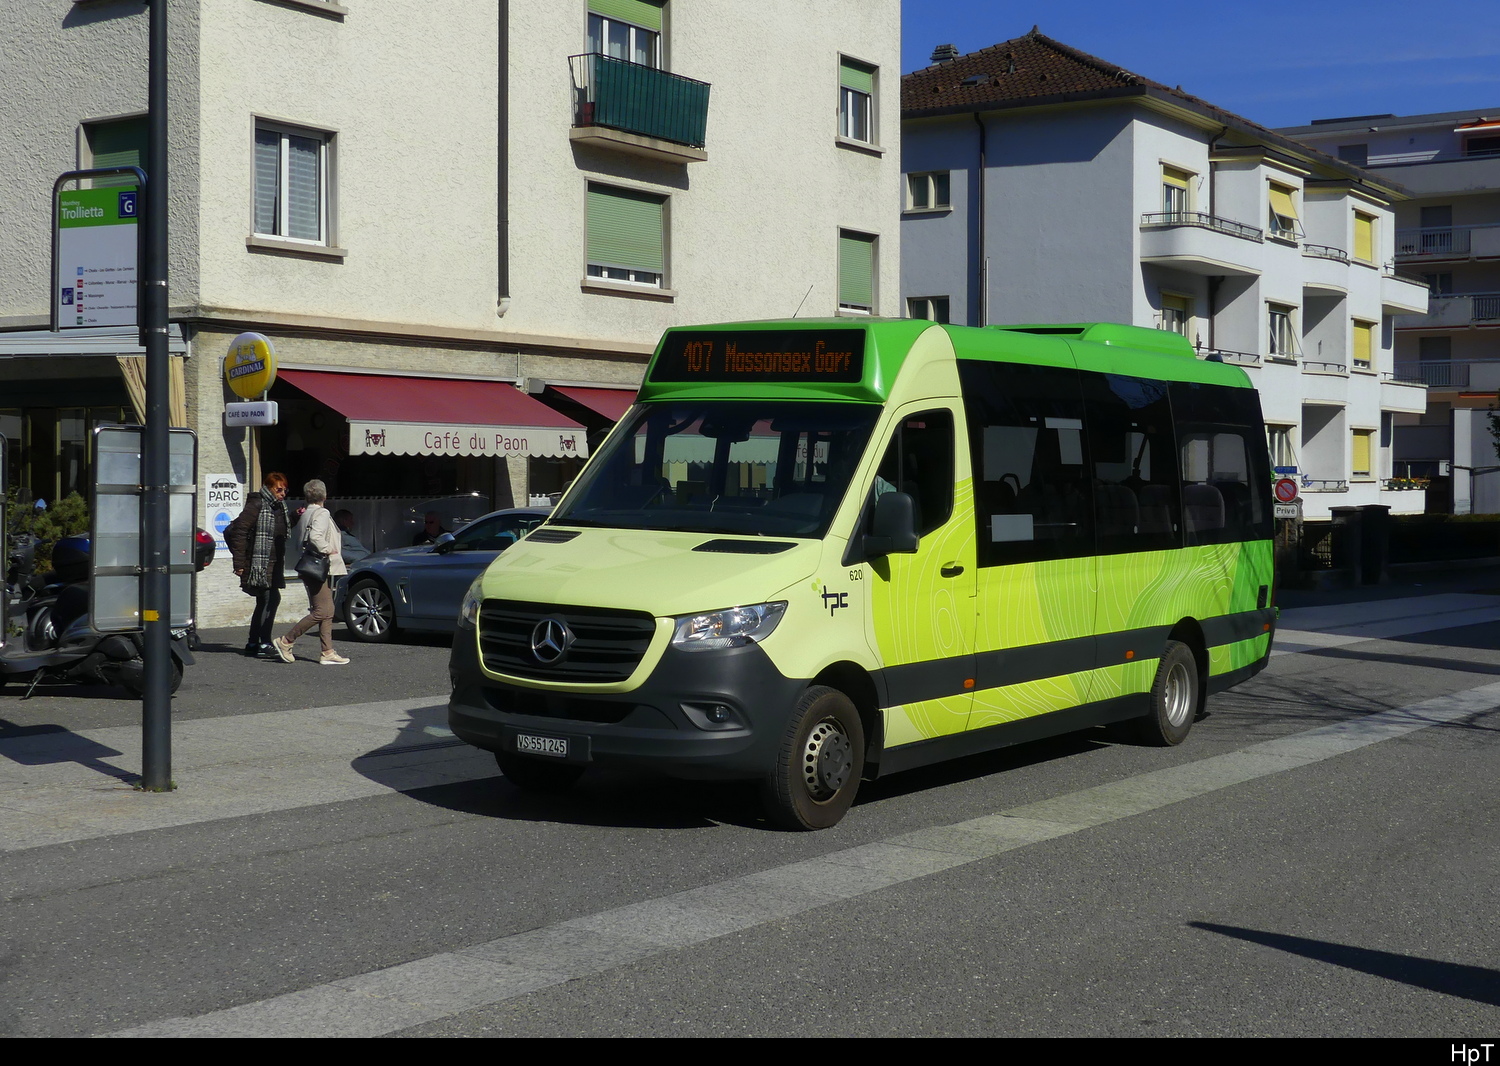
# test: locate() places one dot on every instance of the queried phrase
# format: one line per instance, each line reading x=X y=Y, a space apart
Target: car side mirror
x=893 y=526
x=444 y=543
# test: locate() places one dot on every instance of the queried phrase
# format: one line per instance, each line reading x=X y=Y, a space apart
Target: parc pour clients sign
x=412 y=438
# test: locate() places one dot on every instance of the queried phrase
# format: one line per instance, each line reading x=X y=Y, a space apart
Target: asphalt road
x=1319 y=859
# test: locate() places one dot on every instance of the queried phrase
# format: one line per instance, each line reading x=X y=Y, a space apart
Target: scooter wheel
x=132 y=677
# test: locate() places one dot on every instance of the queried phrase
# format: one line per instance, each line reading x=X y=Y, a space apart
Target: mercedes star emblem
x=550 y=640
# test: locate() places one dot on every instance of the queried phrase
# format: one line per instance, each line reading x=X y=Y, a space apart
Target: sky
x=1275 y=62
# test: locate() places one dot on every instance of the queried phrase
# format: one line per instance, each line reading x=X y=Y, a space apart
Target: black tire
x=535 y=775
x=1175 y=698
x=819 y=764
x=41 y=633
x=135 y=683
x=369 y=611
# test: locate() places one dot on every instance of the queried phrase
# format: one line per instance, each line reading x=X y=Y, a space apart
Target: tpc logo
x=127 y=204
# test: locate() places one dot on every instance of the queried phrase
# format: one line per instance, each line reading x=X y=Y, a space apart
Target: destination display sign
x=823 y=355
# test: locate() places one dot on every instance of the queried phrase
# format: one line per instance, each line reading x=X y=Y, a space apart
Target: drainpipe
x=502 y=164
x=982 y=303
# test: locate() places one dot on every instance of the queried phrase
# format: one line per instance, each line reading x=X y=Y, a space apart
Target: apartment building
x=463 y=223
x=1449 y=231
x=1043 y=184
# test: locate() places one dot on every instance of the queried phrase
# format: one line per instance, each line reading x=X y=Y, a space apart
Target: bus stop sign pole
x=156 y=614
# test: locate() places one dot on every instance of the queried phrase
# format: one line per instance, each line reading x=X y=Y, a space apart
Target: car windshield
x=773 y=468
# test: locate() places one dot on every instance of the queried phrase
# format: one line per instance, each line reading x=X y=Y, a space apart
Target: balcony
x=638 y=109
x=1456 y=310
x=1480 y=375
x=1222 y=355
x=1436 y=244
x=1197 y=243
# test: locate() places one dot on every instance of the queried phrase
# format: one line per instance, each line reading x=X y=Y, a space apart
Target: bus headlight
x=731 y=628
x=468 y=610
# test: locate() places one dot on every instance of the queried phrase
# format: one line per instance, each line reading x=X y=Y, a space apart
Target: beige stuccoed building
x=462 y=224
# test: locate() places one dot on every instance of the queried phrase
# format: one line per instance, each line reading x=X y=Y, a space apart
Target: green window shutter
x=638 y=12
x=625 y=230
x=856 y=270
x=118 y=144
x=854 y=75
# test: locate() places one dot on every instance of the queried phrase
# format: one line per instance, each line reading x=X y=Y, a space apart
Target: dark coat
x=239 y=535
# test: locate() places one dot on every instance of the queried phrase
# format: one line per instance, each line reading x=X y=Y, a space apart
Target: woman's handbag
x=313 y=566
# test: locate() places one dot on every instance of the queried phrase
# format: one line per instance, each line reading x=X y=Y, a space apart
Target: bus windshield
x=747 y=467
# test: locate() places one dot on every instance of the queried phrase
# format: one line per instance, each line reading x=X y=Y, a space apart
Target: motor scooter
x=59 y=641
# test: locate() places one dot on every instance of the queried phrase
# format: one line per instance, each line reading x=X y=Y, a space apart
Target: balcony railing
x=1202 y=221
x=1313 y=484
x=1404 y=374
x=1221 y=355
x=1313 y=366
x=635 y=98
x=1406 y=275
x=1453 y=373
x=1324 y=251
x=1448 y=242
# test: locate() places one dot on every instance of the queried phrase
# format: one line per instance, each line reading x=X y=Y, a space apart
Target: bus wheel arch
x=857 y=685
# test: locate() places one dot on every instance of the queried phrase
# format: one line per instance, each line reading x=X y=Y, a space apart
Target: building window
x=1176 y=191
x=856 y=272
x=626 y=236
x=1281 y=331
x=1175 y=312
x=1364 y=344
x=1283 y=455
x=1364 y=237
x=626 y=29
x=1482 y=146
x=932 y=308
x=291 y=184
x=118 y=143
x=1362 y=452
x=927 y=191
x=1358 y=154
x=1440 y=284
x=856 y=101
x=1282 y=222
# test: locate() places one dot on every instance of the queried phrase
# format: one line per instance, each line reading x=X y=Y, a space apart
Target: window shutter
x=1281 y=202
x=267 y=167
x=638 y=12
x=1362 y=453
x=625 y=230
x=857 y=76
x=1364 y=238
x=118 y=144
x=1173 y=176
x=1363 y=343
x=856 y=270
x=304 y=197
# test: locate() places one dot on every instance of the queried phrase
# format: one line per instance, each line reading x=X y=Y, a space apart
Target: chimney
x=944 y=53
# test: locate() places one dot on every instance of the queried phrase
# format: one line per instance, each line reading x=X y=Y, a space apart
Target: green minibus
x=815 y=552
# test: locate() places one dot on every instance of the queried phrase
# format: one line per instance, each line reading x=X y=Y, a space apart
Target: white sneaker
x=284 y=650
x=333 y=658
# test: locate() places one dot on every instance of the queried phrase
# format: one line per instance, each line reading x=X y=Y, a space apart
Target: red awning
x=611 y=403
x=391 y=415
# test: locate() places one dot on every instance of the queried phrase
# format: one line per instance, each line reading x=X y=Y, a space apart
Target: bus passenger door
x=922 y=604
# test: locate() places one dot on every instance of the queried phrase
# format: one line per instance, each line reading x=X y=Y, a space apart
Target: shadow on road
x=49 y=745
x=1451 y=979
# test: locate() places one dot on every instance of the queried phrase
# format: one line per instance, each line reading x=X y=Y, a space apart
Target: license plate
x=557 y=747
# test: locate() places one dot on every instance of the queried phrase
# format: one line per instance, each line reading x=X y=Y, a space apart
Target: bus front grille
x=606 y=645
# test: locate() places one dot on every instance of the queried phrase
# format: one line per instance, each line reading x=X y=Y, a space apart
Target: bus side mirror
x=893 y=527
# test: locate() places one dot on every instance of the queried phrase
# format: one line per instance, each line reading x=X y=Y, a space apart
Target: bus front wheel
x=819 y=763
x=1174 y=698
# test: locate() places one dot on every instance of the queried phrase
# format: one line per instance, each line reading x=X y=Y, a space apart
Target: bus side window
x=1033 y=498
x=1225 y=469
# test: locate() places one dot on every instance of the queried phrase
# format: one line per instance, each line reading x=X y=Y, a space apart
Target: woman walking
x=257 y=545
x=318 y=536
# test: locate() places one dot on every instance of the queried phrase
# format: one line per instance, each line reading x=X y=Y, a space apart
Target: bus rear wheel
x=1175 y=699
x=819 y=763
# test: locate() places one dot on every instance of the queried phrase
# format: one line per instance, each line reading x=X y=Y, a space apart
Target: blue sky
x=1276 y=62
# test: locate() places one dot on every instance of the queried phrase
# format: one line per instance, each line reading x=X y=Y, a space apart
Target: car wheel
x=534 y=775
x=369 y=612
x=1174 y=698
x=820 y=762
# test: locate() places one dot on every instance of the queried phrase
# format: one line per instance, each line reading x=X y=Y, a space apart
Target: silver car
x=422 y=587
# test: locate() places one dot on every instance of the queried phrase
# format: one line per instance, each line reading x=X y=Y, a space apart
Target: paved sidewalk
x=62 y=786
